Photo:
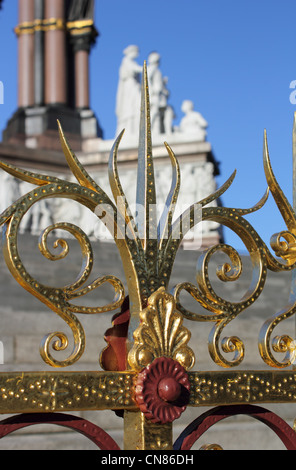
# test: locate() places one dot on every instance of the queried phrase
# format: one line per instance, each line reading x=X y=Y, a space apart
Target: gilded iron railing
x=148 y=375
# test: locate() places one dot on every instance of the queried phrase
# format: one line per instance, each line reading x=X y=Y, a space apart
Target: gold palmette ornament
x=148 y=248
x=161 y=333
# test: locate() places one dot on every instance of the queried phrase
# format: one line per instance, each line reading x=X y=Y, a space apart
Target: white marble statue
x=129 y=93
x=9 y=190
x=41 y=217
x=162 y=115
x=192 y=123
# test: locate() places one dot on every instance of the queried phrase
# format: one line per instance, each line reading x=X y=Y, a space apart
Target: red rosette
x=162 y=390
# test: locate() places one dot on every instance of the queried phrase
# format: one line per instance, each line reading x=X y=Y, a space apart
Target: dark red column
x=55 y=53
x=83 y=35
x=82 y=79
x=25 y=32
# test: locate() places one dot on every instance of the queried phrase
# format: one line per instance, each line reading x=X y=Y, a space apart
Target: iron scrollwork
x=148 y=260
x=56 y=298
x=222 y=312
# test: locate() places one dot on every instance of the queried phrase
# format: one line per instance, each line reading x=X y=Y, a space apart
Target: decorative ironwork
x=94 y=433
x=162 y=390
x=223 y=311
x=33 y=392
x=161 y=334
x=199 y=426
x=147 y=359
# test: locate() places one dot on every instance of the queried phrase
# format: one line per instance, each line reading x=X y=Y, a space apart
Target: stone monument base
x=36 y=127
x=43 y=154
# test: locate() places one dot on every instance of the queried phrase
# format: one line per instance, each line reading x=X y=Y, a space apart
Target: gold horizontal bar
x=50 y=24
x=31 y=392
x=80 y=31
x=53 y=24
x=25 y=28
x=81 y=27
x=80 y=24
x=76 y=27
x=242 y=387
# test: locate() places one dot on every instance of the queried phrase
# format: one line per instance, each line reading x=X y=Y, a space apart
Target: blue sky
x=234 y=59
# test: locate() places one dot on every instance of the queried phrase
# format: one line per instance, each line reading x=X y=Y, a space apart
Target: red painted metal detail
x=162 y=390
x=114 y=356
x=200 y=425
x=94 y=433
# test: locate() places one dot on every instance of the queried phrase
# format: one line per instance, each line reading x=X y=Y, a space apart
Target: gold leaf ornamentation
x=161 y=333
x=148 y=249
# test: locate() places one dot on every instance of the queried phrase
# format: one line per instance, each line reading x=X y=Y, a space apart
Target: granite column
x=25 y=32
x=81 y=57
x=39 y=53
x=55 y=53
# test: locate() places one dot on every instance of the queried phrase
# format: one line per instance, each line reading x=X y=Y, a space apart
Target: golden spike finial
x=146 y=193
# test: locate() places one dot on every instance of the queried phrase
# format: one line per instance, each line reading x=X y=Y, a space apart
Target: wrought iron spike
x=146 y=192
